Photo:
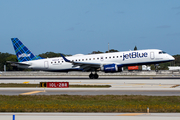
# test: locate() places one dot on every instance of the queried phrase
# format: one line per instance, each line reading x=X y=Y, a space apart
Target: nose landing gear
x=93 y=76
x=156 y=67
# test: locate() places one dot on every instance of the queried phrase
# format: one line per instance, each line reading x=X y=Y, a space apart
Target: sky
x=82 y=26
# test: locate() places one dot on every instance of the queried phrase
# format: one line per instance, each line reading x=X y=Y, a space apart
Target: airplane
x=106 y=62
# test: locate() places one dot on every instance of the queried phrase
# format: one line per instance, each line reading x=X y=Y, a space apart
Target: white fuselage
x=127 y=58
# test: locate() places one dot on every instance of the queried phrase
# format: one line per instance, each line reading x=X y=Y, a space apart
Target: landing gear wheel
x=96 y=76
x=91 y=76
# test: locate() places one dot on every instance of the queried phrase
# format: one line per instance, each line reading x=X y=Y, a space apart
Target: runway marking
x=29 y=93
x=174 y=86
x=25 y=82
x=131 y=114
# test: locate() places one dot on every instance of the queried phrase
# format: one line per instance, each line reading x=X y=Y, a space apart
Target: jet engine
x=110 y=68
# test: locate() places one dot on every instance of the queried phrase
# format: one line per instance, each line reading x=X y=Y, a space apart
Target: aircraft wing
x=17 y=63
x=86 y=66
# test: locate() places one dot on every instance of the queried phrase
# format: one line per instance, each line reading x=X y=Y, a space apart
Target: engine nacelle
x=111 y=68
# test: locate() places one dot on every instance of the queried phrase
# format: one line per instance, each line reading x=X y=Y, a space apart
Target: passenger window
x=109 y=57
x=113 y=57
x=117 y=56
x=106 y=57
x=89 y=58
x=82 y=59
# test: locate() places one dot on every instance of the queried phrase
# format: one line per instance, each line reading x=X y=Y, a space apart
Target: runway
x=90 y=116
x=89 y=91
x=127 y=86
x=79 y=77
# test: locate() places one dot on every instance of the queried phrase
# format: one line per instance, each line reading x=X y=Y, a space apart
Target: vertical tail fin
x=22 y=52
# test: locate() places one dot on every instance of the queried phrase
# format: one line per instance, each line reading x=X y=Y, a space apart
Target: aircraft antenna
x=108 y=47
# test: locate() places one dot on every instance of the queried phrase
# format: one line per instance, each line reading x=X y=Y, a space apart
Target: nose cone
x=171 y=58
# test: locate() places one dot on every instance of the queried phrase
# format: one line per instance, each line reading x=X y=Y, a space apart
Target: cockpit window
x=162 y=52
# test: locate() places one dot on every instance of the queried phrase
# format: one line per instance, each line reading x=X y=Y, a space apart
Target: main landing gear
x=93 y=76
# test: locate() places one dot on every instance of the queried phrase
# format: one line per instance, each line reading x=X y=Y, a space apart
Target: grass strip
x=18 y=85
x=37 y=85
x=99 y=103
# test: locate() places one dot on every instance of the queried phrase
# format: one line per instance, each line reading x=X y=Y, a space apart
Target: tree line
x=11 y=57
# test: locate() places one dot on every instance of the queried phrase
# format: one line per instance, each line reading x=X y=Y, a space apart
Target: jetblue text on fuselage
x=134 y=55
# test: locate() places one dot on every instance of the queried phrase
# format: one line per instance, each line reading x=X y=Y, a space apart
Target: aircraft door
x=46 y=66
x=152 y=55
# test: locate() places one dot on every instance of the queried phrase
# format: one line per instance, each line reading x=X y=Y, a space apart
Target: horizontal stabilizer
x=17 y=63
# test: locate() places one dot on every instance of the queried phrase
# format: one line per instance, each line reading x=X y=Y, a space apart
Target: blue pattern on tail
x=22 y=52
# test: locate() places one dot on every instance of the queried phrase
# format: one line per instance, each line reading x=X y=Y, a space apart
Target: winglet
x=65 y=59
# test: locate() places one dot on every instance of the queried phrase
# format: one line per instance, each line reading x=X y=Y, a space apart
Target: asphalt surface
x=89 y=91
x=127 y=86
x=90 y=116
x=86 y=77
